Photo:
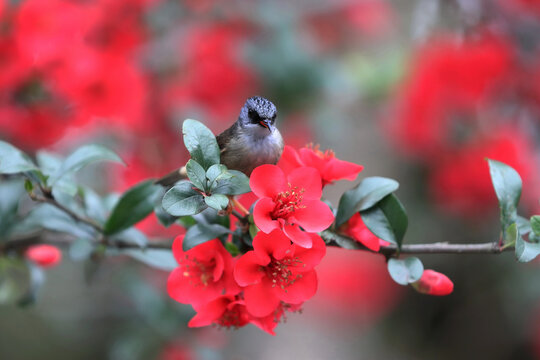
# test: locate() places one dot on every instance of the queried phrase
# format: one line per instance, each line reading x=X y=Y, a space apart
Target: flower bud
x=434 y=283
x=44 y=255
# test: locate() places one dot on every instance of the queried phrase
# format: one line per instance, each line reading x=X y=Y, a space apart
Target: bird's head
x=258 y=114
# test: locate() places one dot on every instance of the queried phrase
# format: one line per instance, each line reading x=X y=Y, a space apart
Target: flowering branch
x=331 y=238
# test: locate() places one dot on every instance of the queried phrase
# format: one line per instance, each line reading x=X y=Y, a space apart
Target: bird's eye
x=254 y=116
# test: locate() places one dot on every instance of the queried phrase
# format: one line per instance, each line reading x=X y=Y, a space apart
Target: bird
x=253 y=140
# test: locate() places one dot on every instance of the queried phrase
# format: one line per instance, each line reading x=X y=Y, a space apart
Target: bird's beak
x=267 y=124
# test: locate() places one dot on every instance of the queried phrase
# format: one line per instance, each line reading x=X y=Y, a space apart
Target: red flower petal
x=310 y=158
x=210 y=312
x=266 y=324
x=315 y=216
x=177 y=250
x=248 y=270
x=308 y=179
x=267 y=181
x=260 y=298
x=261 y=215
x=311 y=257
x=219 y=267
x=276 y=244
x=182 y=288
x=337 y=169
x=301 y=290
x=290 y=159
x=297 y=236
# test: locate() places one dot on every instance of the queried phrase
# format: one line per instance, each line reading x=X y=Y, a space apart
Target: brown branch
x=334 y=239
x=51 y=201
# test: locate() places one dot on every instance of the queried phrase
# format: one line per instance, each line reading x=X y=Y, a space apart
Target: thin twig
x=334 y=239
x=76 y=217
x=239 y=216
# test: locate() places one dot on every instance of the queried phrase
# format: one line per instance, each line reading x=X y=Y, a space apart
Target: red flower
x=449 y=81
x=102 y=86
x=225 y=311
x=330 y=168
x=434 y=283
x=268 y=323
x=230 y=311
x=461 y=183
x=44 y=255
x=46 y=30
x=277 y=271
x=356 y=229
x=204 y=273
x=213 y=55
x=288 y=202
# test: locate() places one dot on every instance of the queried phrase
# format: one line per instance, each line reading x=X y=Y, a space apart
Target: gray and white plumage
x=253 y=140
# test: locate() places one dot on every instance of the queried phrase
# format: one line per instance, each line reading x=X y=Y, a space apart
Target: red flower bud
x=44 y=255
x=434 y=283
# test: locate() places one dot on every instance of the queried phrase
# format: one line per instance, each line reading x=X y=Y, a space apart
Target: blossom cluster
x=278 y=273
x=468 y=98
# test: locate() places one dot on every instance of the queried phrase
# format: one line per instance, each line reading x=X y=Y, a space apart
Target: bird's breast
x=245 y=153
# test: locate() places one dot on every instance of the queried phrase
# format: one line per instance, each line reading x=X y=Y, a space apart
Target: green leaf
x=211 y=216
x=13 y=160
x=217 y=201
x=36 y=279
x=215 y=172
x=131 y=236
x=10 y=196
x=535 y=224
x=133 y=206
x=80 y=249
x=13 y=278
x=523 y=224
x=201 y=233
x=28 y=186
x=525 y=251
x=507 y=184
x=83 y=156
x=164 y=217
x=387 y=219
x=196 y=174
x=201 y=143
x=253 y=230
x=363 y=196
x=183 y=200
x=187 y=221
x=232 y=249
x=405 y=271
x=156 y=258
x=94 y=206
x=49 y=162
x=49 y=217
x=236 y=184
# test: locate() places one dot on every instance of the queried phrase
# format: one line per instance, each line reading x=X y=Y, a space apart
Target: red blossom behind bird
x=330 y=168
